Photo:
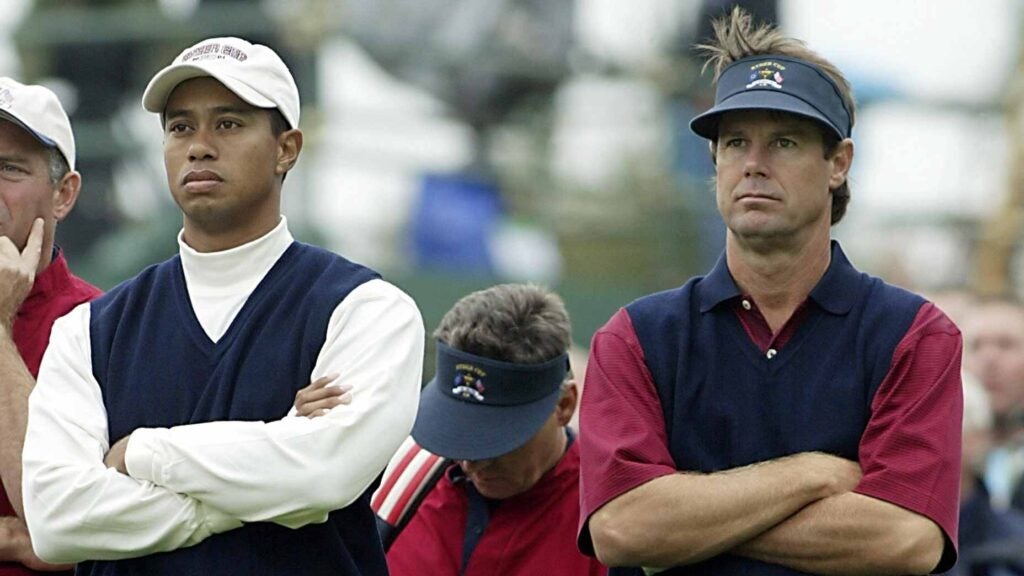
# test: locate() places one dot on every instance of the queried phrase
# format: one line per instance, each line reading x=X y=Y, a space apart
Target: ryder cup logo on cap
x=766 y=74
x=459 y=417
x=776 y=83
x=255 y=73
x=38 y=111
x=469 y=382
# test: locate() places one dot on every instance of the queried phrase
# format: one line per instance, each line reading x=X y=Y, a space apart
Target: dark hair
x=278 y=124
x=737 y=37
x=520 y=323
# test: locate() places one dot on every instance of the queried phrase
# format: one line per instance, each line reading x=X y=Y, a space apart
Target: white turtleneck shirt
x=188 y=482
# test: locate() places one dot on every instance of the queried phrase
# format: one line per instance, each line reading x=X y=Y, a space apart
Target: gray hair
x=520 y=323
x=57 y=165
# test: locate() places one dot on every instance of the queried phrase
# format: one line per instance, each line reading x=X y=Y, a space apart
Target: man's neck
x=778 y=280
x=205 y=241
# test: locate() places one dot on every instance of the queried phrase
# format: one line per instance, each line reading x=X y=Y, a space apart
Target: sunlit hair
x=521 y=323
x=737 y=37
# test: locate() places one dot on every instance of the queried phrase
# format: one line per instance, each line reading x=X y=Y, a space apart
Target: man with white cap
x=158 y=439
x=786 y=413
x=506 y=496
x=38 y=188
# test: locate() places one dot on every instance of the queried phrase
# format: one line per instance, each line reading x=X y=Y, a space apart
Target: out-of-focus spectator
x=994 y=335
x=989 y=538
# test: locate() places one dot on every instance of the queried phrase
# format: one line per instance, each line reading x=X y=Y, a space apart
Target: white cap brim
x=154 y=99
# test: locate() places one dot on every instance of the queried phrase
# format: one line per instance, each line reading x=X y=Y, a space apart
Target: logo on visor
x=766 y=75
x=469 y=382
x=6 y=98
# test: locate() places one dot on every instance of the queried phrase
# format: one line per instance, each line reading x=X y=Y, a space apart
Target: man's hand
x=318 y=398
x=837 y=475
x=15 y=546
x=115 y=456
x=18 y=272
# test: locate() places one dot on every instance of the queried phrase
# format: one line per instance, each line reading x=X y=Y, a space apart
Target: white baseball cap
x=253 y=72
x=38 y=111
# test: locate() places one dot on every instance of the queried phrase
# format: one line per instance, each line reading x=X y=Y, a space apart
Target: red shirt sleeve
x=910 y=450
x=623 y=442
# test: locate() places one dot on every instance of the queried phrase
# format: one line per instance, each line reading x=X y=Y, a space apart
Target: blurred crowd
x=992 y=478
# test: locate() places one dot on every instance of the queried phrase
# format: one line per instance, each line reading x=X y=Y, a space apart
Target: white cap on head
x=253 y=72
x=38 y=111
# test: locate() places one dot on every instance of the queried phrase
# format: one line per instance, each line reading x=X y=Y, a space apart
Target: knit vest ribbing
x=158 y=368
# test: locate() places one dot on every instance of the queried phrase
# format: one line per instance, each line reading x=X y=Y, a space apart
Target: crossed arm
x=188 y=482
x=796 y=511
x=812 y=512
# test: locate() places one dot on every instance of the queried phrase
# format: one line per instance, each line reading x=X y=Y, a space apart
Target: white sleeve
x=295 y=470
x=75 y=507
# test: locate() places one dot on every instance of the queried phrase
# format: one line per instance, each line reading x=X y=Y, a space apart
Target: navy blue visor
x=776 y=83
x=477 y=408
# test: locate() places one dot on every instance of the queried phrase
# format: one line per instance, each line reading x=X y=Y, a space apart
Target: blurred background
x=453 y=144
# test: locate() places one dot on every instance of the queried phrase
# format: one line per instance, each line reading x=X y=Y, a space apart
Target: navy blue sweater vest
x=727 y=405
x=158 y=368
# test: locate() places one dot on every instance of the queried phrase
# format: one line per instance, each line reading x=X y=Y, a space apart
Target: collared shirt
x=625 y=437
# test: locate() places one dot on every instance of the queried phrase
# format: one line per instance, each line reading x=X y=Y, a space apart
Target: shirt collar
x=718 y=286
x=53 y=277
x=835 y=292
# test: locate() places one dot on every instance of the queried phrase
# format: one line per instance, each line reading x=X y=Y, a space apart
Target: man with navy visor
x=785 y=413
x=492 y=423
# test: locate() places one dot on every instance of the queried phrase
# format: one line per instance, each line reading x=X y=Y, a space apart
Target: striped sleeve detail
x=405 y=478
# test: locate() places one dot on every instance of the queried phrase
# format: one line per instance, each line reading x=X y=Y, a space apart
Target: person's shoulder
x=882 y=292
x=381 y=289
x=329 y=266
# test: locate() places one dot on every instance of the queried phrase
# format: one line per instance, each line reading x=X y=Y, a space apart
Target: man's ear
x=567 y=402
x=841 y=161
x=66 y=194
x=289 y=145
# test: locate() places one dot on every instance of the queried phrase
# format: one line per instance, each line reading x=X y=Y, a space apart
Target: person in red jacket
x=489 y=482
x=38 y=188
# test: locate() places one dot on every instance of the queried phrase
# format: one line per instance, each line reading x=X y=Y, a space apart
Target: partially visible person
x=991 y=541
x=994 y=354
x=506 y=497
x=38 y=189
x=158 y=441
